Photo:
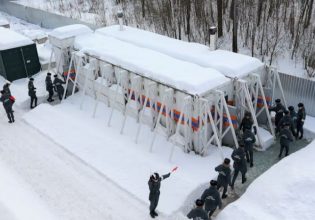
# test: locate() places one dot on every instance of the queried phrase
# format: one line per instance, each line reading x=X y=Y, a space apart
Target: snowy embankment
x=286 y=191
x=117 y=156
x=17 y=200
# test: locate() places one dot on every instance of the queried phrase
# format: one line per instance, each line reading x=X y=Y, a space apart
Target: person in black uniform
x=301 y=115
x=293 y=115
x=7 y=104
x=247 y=123
x=49 y=87
x=286 y=119
x=249 y=141
x=224 y=177
x=239 y=164
x=32 y=92
x=211 y=197
x=198 y=213
x=154 y=186
x=58 y=86
x=279 y=109
x=285 y=138
x=6 y=88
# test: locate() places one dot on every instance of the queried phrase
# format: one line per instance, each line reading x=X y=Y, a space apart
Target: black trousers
x=10 y=115
x=249 y=156
x=225 y=186
x=286 y=147
x=33 y=99
x=50 y=94
x=210 y=213
x=236 y=171
x=299 y=128
x=154 y=202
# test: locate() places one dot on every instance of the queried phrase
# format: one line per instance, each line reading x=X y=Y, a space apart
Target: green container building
x=18 y=56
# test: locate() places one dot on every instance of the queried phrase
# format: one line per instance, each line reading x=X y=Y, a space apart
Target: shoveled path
x=263 y=160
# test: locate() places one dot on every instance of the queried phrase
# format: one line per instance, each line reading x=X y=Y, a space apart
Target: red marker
x=174 y=169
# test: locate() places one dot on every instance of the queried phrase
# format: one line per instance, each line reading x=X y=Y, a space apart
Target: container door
x=31 y=60
x=13 y=64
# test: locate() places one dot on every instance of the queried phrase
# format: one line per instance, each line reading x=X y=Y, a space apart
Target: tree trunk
x=235 y=26
x=220 y=19
x=143 y=8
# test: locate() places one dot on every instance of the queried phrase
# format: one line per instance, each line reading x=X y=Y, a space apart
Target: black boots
x=153 y=214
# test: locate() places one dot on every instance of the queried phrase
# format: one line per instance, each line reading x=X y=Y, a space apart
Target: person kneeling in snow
x=224 y=178
x=154 y=186
x=211 y=197
x=198 y=213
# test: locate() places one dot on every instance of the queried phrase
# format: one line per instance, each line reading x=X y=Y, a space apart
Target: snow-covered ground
x=286 y=191
x=58 y=162
x=118 y=157
x=40 y=180
x=76 y=167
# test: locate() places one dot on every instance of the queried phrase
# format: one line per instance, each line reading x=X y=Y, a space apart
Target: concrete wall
x=35 y=16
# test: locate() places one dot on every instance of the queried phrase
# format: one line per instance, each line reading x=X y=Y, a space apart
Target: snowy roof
x=10 y=39
x=228 y=63
x=3 y=21
x=181 y=75
x=34 y=34
x=70 y=31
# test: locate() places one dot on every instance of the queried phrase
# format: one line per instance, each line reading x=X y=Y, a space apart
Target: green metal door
x=13 y=64
x=31 y=60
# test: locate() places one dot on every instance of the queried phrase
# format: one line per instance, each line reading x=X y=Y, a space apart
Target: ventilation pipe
x=120 y=16
x=213 y=37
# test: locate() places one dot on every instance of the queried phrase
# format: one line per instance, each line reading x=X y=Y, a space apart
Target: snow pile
x=4 y=22
x=44 y=53
x=266 y=138
x=70 y=31
x=228 y=63
x=17 y=200
x=285 y=191
x=35 y=34
x=10 y=39
x=127 y=164
x=176 y=73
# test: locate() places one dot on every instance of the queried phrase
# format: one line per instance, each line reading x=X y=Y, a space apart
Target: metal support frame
x=166 y=101
x=205 y=110
x=183 y=121
x=224 y=107
x=244 y=102
x=150 y=94
x=256 y=88
x=272 y=80
x=122 y=83
x=136 y=91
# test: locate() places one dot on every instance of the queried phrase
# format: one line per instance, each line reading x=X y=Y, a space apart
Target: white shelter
x=179 y=99
x=253 y=83
x=62 y=39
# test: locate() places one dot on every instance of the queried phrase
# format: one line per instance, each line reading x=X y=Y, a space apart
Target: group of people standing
x=51 y=87
x=289 y=124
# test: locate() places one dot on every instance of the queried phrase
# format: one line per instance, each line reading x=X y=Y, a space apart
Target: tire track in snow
x=70 y=188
